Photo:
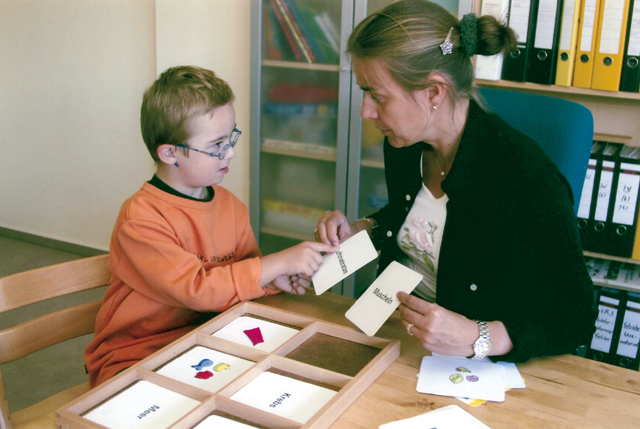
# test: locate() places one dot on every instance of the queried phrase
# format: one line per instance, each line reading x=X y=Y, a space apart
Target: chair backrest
x=563 y=128
x=41 y=284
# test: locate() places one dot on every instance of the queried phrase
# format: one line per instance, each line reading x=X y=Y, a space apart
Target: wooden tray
x=328 y=355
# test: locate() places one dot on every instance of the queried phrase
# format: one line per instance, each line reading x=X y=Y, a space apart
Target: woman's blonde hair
x=406 y=36
x=174 y=99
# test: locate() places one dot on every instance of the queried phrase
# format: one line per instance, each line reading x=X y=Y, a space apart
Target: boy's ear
x=167 y=153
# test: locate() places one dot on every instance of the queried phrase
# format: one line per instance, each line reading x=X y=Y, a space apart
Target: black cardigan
x=510 y=247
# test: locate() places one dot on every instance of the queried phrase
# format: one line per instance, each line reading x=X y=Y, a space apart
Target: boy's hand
x=304 y=258
x=292 y=284
x=301 y=260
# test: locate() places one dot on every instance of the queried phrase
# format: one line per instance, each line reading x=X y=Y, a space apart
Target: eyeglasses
x=221 y=152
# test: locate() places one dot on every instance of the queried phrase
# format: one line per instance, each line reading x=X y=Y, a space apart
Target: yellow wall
x=72 y=74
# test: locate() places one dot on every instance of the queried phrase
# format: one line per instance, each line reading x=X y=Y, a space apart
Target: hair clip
x=447 y=45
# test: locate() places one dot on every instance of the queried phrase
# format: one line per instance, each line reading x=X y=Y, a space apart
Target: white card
x=284 y=396
x=512 y=379
x=218 y=422
x=273 y=335
x=205 y=368
x=352 y=255
x=452 y=377
x=449 y=417
x=379 y=301
x=142 y=406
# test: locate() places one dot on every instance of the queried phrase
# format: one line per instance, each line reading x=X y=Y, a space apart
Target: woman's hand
x=438 y=329
x=333 y=228
x=447 y=333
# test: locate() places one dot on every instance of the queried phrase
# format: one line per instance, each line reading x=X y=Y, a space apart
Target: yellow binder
x=635 y=254
x=583 y=69
x=568 y=42
x=612 y=32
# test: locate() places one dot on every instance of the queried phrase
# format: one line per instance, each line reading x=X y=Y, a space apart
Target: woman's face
x=399 y=115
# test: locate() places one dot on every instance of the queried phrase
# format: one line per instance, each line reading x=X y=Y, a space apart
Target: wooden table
x=562 y=392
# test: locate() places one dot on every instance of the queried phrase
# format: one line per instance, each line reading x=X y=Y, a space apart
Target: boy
x=182 y=246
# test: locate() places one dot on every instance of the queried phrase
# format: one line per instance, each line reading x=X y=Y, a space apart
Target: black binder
x=522 y=21
x=610 y=303
x=627 y=355
x=587 y=207
x=630 y=75
x=624 y=203
x=602 y=216
x=543 y=55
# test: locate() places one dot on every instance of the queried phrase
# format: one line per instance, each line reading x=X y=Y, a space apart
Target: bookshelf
x=335 y=161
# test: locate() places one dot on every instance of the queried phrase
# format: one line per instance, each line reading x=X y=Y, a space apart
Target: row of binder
x=617 y=333
x=614 y=274
x=582 y=43
x=608 y=211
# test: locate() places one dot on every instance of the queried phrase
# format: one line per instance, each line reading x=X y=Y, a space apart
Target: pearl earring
x=435 y=107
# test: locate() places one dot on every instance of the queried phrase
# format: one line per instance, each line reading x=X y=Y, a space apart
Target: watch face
x=482 y=347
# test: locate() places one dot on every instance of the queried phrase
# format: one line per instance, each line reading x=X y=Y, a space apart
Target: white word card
x=205 y=368
x=142 y=406
x=449 y=417
x=352 y=255
x=453 y=377
x=379 y=301
x=256 y=333
x=284 y=396
x=218 y=422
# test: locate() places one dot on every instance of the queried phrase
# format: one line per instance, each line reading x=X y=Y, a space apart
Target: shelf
x=621 y=286
x=306 y=152
x=536 y=87
x=372 y=163
x=286 y=234
x=302 y=66
x=611 y=258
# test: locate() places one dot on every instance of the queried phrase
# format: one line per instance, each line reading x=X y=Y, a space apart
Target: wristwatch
x=373 y=234
x=482 y=345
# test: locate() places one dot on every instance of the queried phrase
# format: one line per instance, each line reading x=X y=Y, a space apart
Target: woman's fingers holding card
x=438 y=329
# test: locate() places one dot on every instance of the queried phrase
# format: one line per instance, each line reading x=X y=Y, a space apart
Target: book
x=302 y=93
x=302 y=109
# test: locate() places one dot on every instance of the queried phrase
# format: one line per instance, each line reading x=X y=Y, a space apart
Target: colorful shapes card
x=379 y=301
x=449 y=376
x=143 y=405
x=218 y=422
x=449 y=417
x=272 y=334
x=205 y=368
x=284 y=396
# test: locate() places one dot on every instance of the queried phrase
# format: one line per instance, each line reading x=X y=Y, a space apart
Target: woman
x=475 y=206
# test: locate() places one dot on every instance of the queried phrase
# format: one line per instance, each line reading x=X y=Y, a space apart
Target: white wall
x=72 y=74
x=213 y=34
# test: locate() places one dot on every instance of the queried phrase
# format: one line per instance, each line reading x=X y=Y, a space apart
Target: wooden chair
x=18 y=341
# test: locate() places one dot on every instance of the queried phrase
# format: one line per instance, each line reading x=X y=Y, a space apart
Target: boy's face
x=199 y=170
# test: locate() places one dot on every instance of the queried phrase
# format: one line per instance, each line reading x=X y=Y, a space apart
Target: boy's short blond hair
x=174 y=99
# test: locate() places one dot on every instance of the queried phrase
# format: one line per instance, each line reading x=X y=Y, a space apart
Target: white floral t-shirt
x=420 y=238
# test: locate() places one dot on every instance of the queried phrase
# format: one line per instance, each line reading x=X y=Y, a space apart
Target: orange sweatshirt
x=171 y=260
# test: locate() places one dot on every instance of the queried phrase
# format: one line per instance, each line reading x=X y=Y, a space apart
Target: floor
x=44 y=373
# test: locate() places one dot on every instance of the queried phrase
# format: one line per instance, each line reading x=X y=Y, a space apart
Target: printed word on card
x=284 y=396
x=143 y=405
x=379 y=301
x=352 y=255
